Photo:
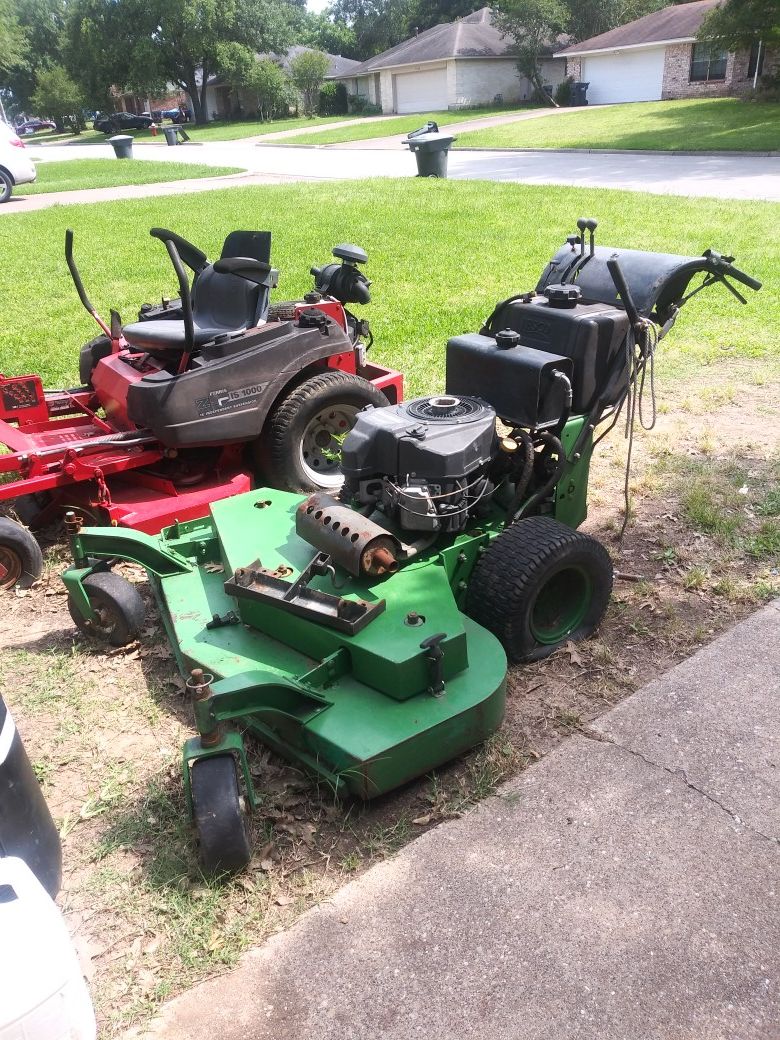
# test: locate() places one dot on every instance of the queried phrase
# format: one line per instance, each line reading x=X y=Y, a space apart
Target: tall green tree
x=533 y=26
x=59 y=98
x=307 y=72
x=140 y=44
x=376 y=24
x=740 y=23
x=42 y=22
x=424 y=14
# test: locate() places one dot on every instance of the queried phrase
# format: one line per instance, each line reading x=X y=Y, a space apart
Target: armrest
x=252 y=270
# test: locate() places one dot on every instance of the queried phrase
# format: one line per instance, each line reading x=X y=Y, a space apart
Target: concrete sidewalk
x=624 y=888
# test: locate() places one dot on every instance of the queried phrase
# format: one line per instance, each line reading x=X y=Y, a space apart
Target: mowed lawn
x=74 y=174
x=441 y=253
x=718 y=124
x=401 y=125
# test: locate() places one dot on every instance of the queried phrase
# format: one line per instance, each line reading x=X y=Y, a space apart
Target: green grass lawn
x=400 y=125
x=432 y=278
x=718 y=124
x=74 y=174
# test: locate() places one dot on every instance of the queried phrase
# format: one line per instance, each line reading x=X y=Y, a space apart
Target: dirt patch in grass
x=105 y=731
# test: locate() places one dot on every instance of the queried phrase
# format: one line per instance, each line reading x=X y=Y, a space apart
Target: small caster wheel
x=21 y=561
x=119 y=609
x=220 y=816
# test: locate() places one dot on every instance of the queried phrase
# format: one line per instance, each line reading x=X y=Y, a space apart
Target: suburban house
x=452 y=65
x=224 y=101
x=658 y=57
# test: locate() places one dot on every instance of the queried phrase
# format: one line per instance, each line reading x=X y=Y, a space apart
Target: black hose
x=557 y=447
x=522 y=482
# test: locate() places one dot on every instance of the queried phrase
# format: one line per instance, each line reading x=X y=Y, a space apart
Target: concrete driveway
x=725 y=177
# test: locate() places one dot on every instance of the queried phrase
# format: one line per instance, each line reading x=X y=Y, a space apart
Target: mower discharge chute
x=184 y=406
x=365 y=635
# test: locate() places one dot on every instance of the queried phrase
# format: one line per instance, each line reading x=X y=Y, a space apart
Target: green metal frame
x=355 y=709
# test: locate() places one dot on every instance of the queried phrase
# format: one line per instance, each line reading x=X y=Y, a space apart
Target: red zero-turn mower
x=184 y=406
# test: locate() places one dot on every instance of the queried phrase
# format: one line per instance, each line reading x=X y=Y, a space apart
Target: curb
x=620 y=151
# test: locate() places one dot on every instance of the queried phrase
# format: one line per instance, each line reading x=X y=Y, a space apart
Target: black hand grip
x=740 y=276
x=74 y=272
x=613 y=266
x=193 y=257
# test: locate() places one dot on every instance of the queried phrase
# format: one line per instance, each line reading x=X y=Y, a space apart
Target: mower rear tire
x=21 y=561
x=539 y=585
x=118 y=606
x=90 y=354
x=220 y=818
x=6 y=186
x=300 y=449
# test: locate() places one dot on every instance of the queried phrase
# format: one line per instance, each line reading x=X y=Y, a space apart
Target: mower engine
x=426 y=464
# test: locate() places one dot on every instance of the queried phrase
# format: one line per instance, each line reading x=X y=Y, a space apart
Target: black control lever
x=435 y=655
x=613 y=266
x=588 y=224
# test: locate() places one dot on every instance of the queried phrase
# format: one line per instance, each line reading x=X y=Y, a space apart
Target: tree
x=13 y=42
x=424 y=14
x=325 y=33
x=42 y=22
x=533 y=26
x=307 y=71
x=140 y=44
x=272 y=87
x=377 y=24
x=59 y=98
x=740 y=23
x=592 y=17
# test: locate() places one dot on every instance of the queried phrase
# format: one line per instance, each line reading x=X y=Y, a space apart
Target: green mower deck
x=354 y=708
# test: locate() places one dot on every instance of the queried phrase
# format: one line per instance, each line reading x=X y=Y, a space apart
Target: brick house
x=659 y=58
x=452 y=65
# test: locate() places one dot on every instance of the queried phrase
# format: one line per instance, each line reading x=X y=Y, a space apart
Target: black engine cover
x=436 y=439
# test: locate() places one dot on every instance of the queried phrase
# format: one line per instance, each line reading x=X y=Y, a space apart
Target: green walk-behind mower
x=364 y=634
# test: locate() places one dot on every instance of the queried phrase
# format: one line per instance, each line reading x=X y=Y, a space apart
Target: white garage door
x=421 y=91
x=626 y=76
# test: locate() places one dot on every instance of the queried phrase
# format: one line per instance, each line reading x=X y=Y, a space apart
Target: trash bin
x=27 y=830
x=171 y=133
x=122 y=145
x=578 y=92
x=430 y=147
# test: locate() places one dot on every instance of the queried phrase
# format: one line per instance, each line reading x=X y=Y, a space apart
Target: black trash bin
x=26 y=827
x=430 y=147
x=171 y=133
x=578 y=92
x=122 y=145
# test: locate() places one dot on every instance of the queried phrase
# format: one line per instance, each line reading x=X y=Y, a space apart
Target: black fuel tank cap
x=563 y=296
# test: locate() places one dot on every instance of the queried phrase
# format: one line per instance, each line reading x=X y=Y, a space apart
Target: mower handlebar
x=76 y=276
x=184 y=292
x=193 y=257
x=245 y=267
x=740 y=276
x=613 y=266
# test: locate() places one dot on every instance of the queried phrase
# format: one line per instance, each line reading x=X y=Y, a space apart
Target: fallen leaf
x=284 y=900
x=421 y=821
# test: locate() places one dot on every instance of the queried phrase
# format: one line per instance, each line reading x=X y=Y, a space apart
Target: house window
x=708 y=62
x=756 y=60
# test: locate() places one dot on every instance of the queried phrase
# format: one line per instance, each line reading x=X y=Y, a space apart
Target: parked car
x=178 y=115
x=116 y=122
x=32 y=126
x=16 y=167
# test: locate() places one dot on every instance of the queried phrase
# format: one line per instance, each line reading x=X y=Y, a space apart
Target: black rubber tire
x=6 y=186
x=279 y=449
x=221 y=822
x=90 y=354
x=21 y=561
x=533 y=564
x=30 y=508
x=119 y=604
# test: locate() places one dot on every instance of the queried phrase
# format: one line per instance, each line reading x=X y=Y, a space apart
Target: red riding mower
x=184 y=406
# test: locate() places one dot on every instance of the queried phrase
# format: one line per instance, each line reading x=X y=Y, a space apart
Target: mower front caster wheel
x=539 y=585
x=300 y=449
x=219 y=815
x=119 y=609
x=21 y=561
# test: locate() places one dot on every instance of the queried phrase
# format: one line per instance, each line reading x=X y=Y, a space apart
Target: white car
x=15 y=165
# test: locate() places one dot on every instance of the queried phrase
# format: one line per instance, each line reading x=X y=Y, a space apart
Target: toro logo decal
x=224 y=400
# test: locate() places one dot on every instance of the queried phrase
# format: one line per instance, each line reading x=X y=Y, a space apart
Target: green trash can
x=171 y=133
x=122 y=145
x=430 y=147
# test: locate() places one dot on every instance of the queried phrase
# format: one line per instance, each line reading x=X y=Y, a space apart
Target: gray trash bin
x=122 y=145
x=171 y=132
x=430 y=147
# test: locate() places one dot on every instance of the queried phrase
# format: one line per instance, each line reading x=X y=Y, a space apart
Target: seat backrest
x=226 y=300
x=254 y=244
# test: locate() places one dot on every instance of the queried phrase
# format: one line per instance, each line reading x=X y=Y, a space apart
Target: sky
x=317 y=5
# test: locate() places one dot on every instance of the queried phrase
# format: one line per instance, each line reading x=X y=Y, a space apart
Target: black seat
x=222 y=304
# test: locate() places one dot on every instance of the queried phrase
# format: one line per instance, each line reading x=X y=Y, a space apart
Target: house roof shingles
x=473 y=36
x=679 y=22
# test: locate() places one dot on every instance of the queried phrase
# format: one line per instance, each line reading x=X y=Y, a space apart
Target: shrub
x=333 y=100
